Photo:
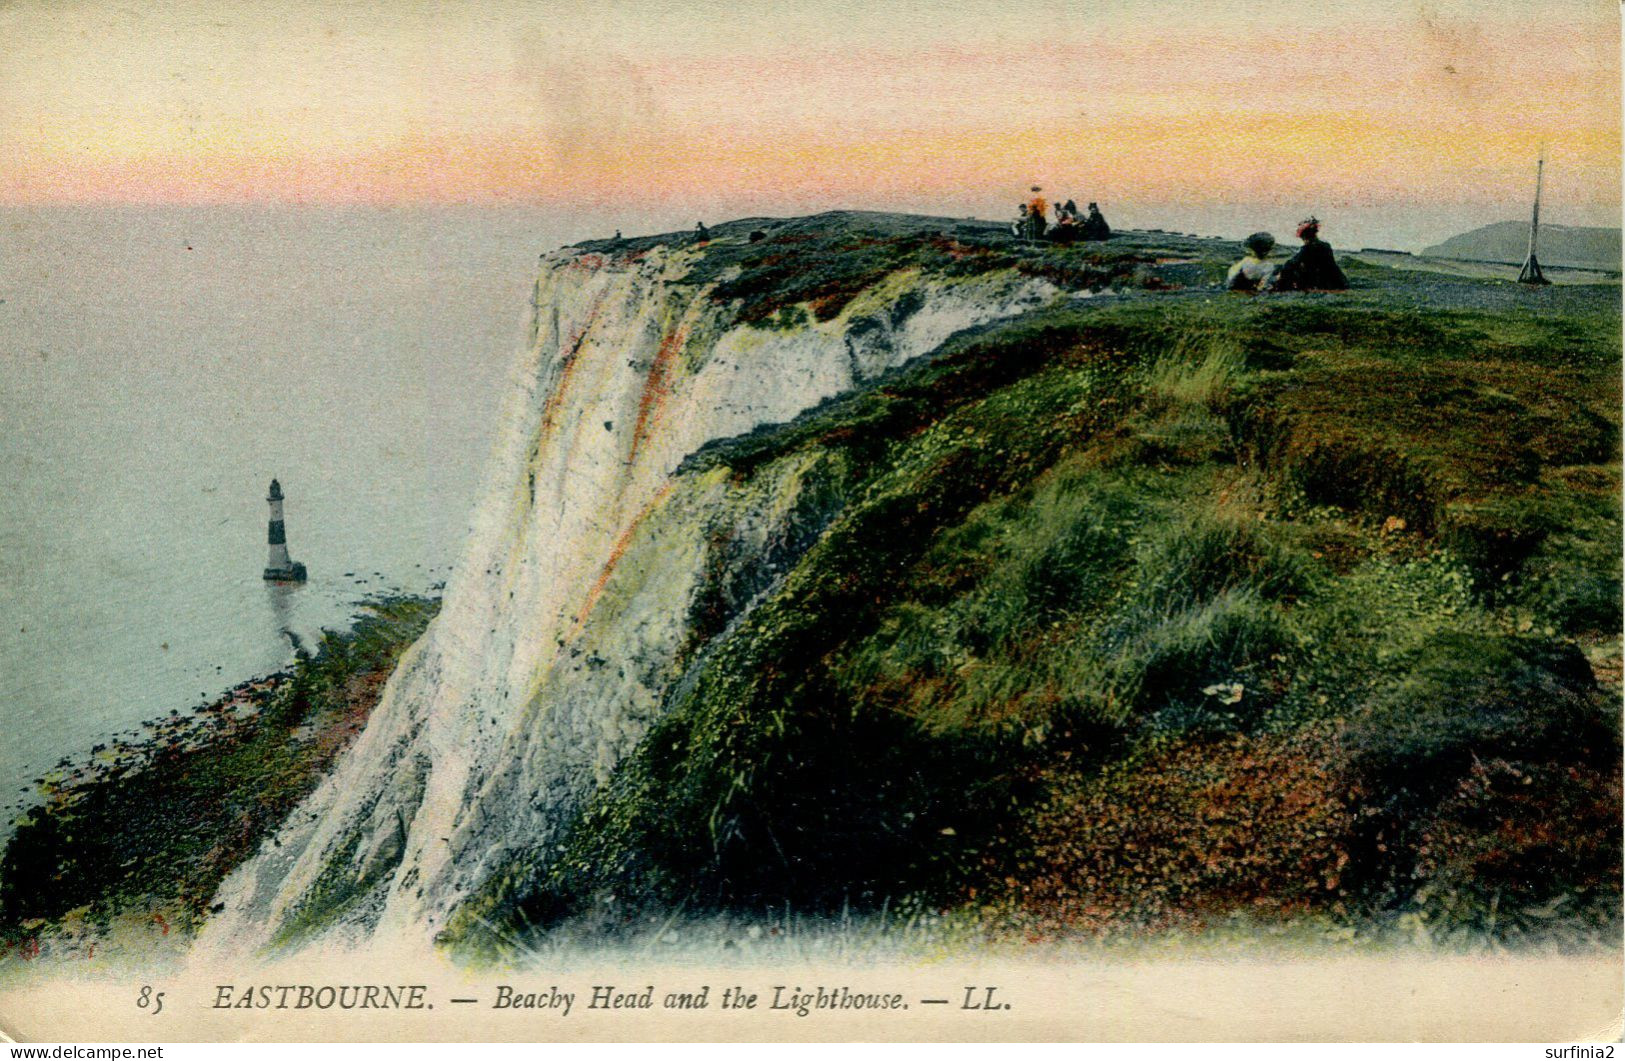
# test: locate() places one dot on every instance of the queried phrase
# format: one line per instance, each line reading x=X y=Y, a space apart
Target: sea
x=158 y=367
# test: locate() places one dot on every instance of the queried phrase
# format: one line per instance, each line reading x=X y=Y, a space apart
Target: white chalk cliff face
x=565 y=622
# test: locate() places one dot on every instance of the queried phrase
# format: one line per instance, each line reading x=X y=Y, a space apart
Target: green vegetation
x=1159 y=610
x=155 y=838
x=1163 y=609
x=817 y=265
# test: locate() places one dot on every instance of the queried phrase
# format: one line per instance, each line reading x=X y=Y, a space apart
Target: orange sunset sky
x=718 y=104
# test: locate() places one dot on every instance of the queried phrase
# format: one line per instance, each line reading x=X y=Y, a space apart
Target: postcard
x=551 y=521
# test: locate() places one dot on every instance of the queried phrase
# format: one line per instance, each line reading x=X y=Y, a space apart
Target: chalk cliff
x=596 y=570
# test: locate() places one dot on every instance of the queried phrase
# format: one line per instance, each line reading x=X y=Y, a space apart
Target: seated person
x=1313 y=268
x=1019 y=228
x=1066 y=228
x=1094 y=226
x=1254 y=270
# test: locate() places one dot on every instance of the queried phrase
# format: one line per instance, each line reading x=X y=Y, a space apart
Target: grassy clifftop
x=1154 y=608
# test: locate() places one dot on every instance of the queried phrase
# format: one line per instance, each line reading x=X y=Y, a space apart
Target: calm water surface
x=157 y=368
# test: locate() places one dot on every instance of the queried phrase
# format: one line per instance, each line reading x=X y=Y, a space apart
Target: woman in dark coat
x=1094 y=226
x=1313 y=268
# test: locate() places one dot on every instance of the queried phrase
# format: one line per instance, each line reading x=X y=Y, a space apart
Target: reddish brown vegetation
x=1201 y=828
x=1511 y=828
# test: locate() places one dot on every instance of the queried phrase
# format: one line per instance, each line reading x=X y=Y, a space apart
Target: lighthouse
x=278 y=567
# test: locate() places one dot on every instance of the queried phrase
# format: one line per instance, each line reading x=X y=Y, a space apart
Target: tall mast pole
x=1531 y=274
x=1534 y=220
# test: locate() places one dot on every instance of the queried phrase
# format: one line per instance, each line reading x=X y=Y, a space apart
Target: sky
x=718 y=108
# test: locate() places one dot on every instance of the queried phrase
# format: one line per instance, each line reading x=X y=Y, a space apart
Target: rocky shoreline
x=131 y=843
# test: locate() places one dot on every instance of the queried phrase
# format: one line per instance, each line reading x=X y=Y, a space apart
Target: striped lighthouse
x=278 y=567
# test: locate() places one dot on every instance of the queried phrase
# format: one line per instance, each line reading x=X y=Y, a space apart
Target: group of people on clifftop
x=1312 y=268
x=1032 y=223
